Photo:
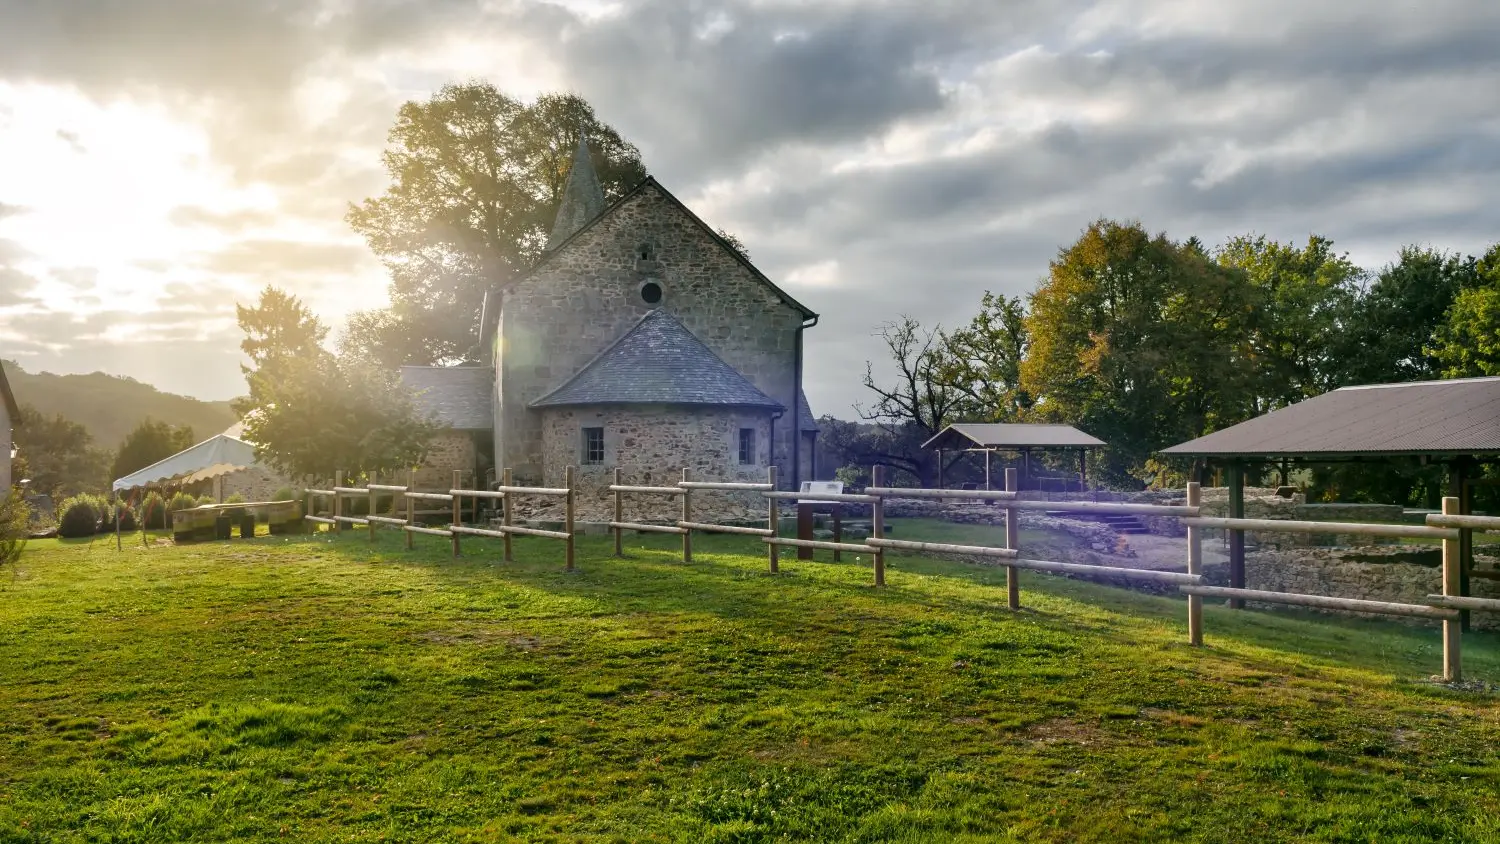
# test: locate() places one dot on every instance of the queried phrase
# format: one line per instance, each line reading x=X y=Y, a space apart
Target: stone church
x=641 y=340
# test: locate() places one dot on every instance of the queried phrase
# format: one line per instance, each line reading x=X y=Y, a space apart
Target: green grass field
x=318 y=689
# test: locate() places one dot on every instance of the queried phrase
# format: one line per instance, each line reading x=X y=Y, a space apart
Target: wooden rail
x=903 y=492
x=831 y=497
x=1485 y=523
x=1322 y=602
x=818 y=543
x=713 y=528
x=727 y=487
x=648 y=528
x=941 y=548
x=1460 y=602
x=1290 y=526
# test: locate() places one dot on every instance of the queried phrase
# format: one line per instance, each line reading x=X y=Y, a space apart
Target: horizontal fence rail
x=1322 y=602
x=903 y=492
x=1486 y=523
x=1459 y=602
x=660 y=490
x=941 y=547
x=1289 y=526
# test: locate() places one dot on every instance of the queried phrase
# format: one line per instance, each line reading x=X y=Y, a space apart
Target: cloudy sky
x=161 y=160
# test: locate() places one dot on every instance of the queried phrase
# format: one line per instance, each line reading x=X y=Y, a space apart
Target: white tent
x=218 y=455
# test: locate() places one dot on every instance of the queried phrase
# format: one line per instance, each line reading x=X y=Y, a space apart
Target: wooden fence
x=403 y=513
x=1444 y=606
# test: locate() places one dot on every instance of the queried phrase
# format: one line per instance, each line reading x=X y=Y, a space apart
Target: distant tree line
x=1145 y=342
x=58 y=457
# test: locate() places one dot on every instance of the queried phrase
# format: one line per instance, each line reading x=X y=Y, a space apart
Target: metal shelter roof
x=457 y=396
x=1011 y=435
x=1440 y=418
x=658 y=361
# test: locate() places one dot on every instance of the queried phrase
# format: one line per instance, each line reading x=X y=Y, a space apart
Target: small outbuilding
x=1021 y=440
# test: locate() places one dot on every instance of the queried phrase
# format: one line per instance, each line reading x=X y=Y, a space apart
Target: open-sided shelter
x=1455 y=422
x=1015 y=438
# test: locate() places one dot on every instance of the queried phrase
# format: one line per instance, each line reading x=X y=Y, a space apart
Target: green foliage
x=311 y=414
x=181 y=501
x=60 y=457
x=15 y=527
x=286 y=493
x=981 y=362
x=1468 y=342
x=915 y=404
x=127 y=516
x=235 y=499
x=1395 y=321
x=359 y=690
x=150 y=442
x=476 y=179
x=205 y=498
x=80 y=516
x=1141 y=342
x=110 y=406
x=153 y=512
x=1302 y=297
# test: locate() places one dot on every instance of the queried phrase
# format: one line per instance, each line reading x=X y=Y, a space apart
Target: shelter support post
x=1452 y=630
x=1012 y=541
x=940 y=469
x=986 y=470
x=119 y=543
x=1236 y=480
x=1083 y=469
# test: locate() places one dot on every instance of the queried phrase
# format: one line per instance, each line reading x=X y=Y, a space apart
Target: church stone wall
x=589 y=294
x=449 y=450
x=254 y=483
x=652 y=444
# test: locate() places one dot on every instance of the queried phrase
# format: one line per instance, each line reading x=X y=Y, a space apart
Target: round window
x=651 y=292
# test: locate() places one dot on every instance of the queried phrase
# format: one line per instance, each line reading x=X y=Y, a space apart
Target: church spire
x=582 y=198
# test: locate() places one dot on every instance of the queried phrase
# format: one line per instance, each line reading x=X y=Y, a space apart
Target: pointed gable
x=582 y=199
x=554 y=247
x=658 y=361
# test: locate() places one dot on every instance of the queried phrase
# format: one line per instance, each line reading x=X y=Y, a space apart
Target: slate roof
x=457 y=396
x=1011 y=435
x=1455 y=417
x=805 y=414
x=658 y=361
x=12 y=409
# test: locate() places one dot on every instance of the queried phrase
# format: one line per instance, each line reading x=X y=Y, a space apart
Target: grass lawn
x=318 y=689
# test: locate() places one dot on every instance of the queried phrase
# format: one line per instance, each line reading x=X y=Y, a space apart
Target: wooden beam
x=1452 y=630
x=1236 y=481
x=1012 y=542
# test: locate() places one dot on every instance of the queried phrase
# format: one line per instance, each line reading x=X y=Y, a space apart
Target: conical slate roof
x=658 y=361
x=582 y=199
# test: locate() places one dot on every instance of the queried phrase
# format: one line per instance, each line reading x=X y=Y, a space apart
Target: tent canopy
x=218 y=455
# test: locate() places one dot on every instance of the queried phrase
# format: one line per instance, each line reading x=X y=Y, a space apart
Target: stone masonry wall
x=255 y=483
x=1403 y=574
x=587 y=295
x=449 y=451
x=652 y=445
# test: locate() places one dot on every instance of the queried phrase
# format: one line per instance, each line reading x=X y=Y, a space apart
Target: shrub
x=154 y=511
x=127 y=517
x=205 y=499
x=79 y=516
x=15 y=526
x=235 y=499
x=182 y=501
x=286 y=493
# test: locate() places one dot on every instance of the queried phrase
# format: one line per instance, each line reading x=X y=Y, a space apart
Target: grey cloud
x=14 y=286
x=189 y=216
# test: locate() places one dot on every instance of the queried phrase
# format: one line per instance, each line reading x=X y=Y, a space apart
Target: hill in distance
x=111 y=406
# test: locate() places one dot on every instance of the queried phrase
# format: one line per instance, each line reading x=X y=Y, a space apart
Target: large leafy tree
x=308 y=413
x=1390 y=331
x=476 y=178
x=981 y=362
x=1139 y=340
x=1302 y=297
x=59 y=455
x=912 y=405
x=1467 y=343
x=152 y=440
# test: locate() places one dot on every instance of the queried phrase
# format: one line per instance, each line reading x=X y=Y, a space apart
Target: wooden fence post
x=1195 y=566
x=877 y=523
x=773 y=521
x=370 y=499
x=1452 y=628
x=411 y=505
x=687 y=516
x=1012 y=541
x=506 y=517
x=568 y=513
x=458 y=503
x=619 y=515
x=338 y=501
